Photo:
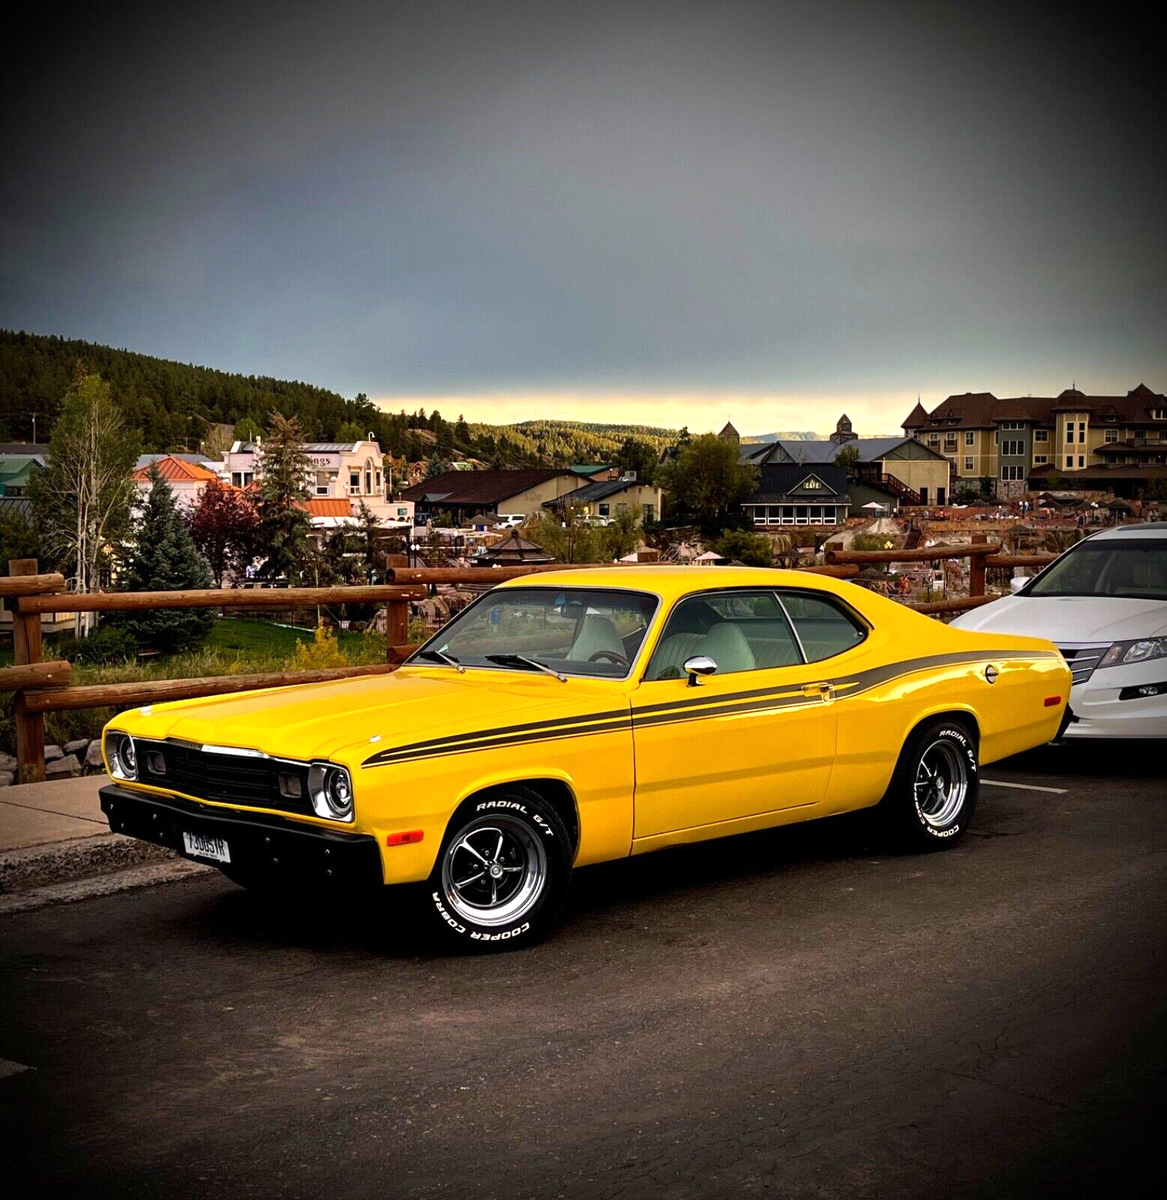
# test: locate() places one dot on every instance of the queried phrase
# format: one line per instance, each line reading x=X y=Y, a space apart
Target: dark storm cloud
x=439 y=197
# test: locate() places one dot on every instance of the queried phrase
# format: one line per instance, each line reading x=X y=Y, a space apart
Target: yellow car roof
x=669 y=581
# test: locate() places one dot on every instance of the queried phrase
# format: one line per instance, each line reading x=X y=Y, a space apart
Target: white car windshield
x=1134 y=569
x=569 y=631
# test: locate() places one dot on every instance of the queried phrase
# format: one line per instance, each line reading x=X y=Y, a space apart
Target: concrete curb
x=77 y=858
x=150 y=874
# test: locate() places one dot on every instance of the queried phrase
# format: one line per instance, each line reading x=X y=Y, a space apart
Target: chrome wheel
x=494 y=870
x=941 y=783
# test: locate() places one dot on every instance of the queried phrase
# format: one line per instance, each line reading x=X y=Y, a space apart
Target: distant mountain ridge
x=796 y=435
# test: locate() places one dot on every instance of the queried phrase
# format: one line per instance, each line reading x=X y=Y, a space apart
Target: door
x=757 y=736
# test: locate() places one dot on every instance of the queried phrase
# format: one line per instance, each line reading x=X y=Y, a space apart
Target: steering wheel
x=615 y=657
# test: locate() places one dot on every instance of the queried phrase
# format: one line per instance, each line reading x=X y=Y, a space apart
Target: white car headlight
x=122 y=755
x=331 y=791
x=1123 y=654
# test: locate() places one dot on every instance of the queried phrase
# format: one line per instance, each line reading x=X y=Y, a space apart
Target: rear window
x=824 y=627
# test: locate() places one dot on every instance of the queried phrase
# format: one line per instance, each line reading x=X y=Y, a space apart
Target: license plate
x=198 y=845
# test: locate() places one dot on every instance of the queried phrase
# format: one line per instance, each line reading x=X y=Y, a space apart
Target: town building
x=19 y=461
x=1022 y=442
x=890 y=471
x=791 y=493
x=467 y=494
x=352 y=471
x=183 y=472
x=608 y=497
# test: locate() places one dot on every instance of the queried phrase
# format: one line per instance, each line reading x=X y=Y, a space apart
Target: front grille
x=1082 y=659
x=227 y=778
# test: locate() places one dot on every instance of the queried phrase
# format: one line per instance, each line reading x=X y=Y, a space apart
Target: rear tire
x=502 y=874
x=933 y=793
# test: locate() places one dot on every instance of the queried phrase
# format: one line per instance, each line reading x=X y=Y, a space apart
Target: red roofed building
x=186 y=478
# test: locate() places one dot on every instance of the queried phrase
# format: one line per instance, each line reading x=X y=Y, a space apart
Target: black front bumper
x=262 y=847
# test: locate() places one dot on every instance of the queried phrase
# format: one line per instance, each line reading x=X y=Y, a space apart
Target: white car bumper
x=1110 y=703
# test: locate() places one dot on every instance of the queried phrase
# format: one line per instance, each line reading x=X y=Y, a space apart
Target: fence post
x=396 y=626
x=26 y=649
x=976 y=569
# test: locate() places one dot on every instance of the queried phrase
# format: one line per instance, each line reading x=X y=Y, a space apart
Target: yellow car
x=580 y=716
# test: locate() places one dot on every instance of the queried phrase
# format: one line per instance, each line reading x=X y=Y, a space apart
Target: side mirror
x=699 y=664
x=1017 y=583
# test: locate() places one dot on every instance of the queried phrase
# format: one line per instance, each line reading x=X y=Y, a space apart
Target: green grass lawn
x=264 y=639
x=234 y=647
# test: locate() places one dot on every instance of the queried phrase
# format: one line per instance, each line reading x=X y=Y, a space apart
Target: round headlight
x=338 y=791
x=330 y=788
x=123 y=756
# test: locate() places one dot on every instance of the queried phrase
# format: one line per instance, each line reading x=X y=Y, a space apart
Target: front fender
x=596 y=768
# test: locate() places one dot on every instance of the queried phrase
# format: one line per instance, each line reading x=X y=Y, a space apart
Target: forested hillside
x=176 y=406
x=172 y=404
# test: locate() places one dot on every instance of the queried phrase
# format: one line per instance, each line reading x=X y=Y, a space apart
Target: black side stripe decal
x=731 y=703
x=409 y=754
x=436 y=744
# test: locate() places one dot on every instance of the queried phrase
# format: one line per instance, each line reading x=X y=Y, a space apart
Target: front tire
x=502 y=875
x=933 y=793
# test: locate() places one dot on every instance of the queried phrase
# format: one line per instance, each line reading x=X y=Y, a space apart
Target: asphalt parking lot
x=786 y=1014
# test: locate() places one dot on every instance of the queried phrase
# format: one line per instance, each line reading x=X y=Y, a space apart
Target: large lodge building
x=1113 y=443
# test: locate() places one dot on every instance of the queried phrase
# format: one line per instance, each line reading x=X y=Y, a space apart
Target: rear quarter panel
x=933 y=669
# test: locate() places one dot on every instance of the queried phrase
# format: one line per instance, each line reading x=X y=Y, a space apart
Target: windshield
x=1134 y=570
x=571 y=631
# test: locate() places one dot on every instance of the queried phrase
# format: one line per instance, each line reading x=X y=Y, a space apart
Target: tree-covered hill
x=172 y=404
x=178 y=406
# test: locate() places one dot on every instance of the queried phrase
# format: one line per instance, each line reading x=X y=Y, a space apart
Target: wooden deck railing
x=41 y=687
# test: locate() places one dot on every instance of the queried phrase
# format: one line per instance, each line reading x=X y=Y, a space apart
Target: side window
x=740 y=631
x=824 y=626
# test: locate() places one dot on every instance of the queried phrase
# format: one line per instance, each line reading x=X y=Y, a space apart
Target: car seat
x=727 y=646
x=596 y=633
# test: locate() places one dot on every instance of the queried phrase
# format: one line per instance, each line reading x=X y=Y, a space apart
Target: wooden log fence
x=41 y=687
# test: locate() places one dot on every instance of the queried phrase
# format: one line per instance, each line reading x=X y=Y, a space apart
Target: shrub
x=106 y=644
x=750 y=549
x=322 y=651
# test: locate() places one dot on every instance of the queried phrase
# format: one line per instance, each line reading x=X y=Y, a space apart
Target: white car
x=1104 y=604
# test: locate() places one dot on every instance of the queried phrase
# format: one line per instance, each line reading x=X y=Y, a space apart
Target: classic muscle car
x=574 y=717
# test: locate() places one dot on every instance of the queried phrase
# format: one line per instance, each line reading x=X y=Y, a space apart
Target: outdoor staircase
x=889 y=483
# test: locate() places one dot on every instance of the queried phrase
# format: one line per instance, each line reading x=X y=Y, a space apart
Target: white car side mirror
x=1017 y=583
x=698 y=665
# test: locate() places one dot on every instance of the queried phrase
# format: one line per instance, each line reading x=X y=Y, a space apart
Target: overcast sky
x=667 y=214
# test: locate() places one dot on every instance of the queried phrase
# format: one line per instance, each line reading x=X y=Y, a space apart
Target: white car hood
x=1069 y=618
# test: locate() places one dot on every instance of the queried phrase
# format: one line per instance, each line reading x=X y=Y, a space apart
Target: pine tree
x=165 y=559
x=283 y=488
x=436 y=465
x=367 y=539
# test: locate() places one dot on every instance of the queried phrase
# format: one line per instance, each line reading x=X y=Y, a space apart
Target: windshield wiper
x=442 y=657
x=521 y=660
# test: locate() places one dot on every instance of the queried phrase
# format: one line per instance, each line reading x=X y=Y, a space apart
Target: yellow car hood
x=340 y=719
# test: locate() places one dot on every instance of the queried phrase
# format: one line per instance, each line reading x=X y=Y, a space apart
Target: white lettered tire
x=933 y=793
x=502 y=874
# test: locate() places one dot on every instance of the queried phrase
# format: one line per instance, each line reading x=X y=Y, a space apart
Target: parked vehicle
x=579 y=717
x=1104 y=603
